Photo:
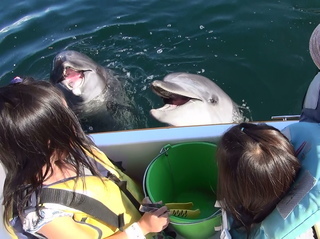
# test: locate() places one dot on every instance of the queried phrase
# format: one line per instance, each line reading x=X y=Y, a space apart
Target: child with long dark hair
x=42 y=145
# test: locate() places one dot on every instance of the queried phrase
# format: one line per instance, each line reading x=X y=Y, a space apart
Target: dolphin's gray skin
x=93 y=92
x=193 y=100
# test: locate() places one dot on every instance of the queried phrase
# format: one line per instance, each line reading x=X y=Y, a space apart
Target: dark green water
x=256 y=51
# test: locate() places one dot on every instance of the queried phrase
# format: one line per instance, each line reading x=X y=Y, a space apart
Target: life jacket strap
x=82 y=203
x=121 y=184
x=123 y=187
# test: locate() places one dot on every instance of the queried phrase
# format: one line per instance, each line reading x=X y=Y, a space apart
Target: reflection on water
x=256 y=51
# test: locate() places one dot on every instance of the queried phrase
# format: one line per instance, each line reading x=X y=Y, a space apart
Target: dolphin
x=80 y=78
x=192 y=99
x=93 y=92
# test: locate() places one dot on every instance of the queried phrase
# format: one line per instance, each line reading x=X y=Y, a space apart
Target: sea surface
x=256 y=51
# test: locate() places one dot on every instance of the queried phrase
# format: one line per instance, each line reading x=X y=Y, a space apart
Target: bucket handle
x=163 y=150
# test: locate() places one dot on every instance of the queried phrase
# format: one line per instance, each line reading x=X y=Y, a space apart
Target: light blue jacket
x=299 y=210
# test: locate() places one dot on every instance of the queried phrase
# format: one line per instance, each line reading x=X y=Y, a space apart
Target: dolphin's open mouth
x=72 y=78
x=170 y=99
x=175 y=99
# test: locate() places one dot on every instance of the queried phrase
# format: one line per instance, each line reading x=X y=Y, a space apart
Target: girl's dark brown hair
x=35 y=124
x=257 y=165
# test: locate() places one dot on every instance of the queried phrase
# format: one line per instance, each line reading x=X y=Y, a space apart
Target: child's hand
x=154 y=221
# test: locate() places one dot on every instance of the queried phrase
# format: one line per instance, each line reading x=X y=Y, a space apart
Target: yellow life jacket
x=105 y=191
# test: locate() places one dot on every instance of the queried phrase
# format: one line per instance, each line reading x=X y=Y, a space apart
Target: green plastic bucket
x=186 y=172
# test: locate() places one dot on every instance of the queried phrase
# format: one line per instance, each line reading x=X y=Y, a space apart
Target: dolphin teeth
x=168 y=107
